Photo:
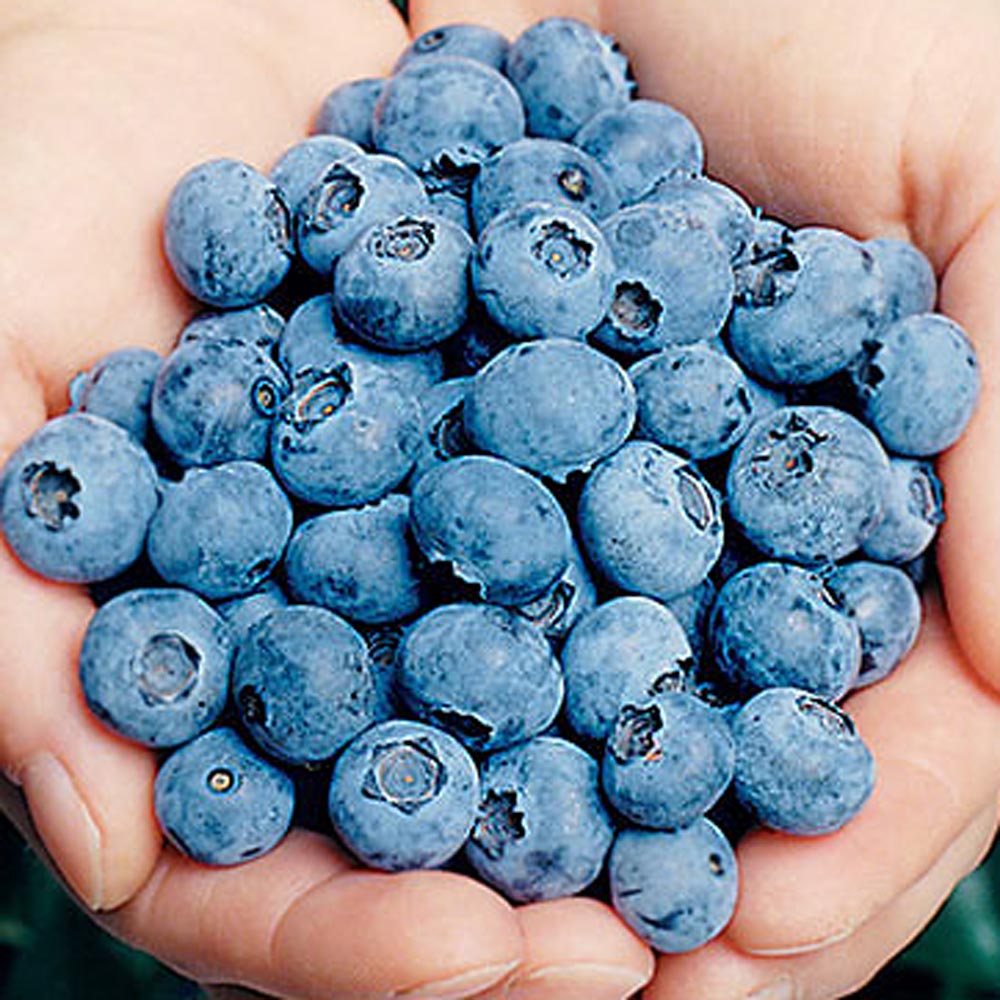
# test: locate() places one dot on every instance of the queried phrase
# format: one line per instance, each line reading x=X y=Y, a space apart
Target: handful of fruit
x=546 y=532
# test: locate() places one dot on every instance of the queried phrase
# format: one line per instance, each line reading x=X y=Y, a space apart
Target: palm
x=855 y=97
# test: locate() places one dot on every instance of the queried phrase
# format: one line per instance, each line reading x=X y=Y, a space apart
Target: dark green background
x=50 y=951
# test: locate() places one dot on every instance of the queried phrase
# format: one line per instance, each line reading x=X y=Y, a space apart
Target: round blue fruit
x=808 y=484
x=253 y=326
x=361 y=562
x=403 y=285
x=445 y=114
x=541 y=170
x=76 y=499
x=554 y=407
x=118 y=387
x=914 y=510
x=778 y=625
x=220 y=531
x=227 y=234
x=650 y=522
x=346 y=435
x=624 y=650
x=472 y=41
x=297 y=169
x=497 y=527
x=441 y=678
x=221 y=804
x=214 y=400
x=155 y=665
x=543 y=270
x=542 y=831
x=349 y=110
x=672 y=283
x=640 y=144
x=566 y=72
x=801 y=766
x=302 y=684
x=918 y=384
x=676 y=889
x=668 y=760
x=404 y=795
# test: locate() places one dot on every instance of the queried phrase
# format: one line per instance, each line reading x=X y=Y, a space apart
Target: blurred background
x=50 y=951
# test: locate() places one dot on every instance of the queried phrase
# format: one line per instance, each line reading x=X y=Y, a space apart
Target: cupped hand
x=878 y=117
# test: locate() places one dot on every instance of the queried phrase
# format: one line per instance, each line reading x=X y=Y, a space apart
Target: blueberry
x=444 y=115
x=297 y=169
x=719 y=207
x=566 y=72
x=554 y=407
x=118 y=388
x=360 y=562
x=349 y=196
x=473 y=41
x=255 y=326
x=676 y=890
x=801 y=766
x=668 y=760
x=541 y=170
x=154 y=666
x=443 y=679
x=76 y=499
x=803 y=308
x=543 y=270
x=885 y=605
x=565 y=602
x=227 y=233
x=808 y=484
x=403 y=285
x=650 y=522
x=220 y=531
x=242 y=613
x=496 y=526
x=443 y=436
x=918 y=383
x=404 y=795
x=778 y=625
x=213 y=401
x=220 y=803
x=346 y=435
x=672 y=283
x=542 y=831
x=348 y=110
x=640 y=144
x=302 y=684
x=910 y=284
x=914 y=510
x=692 y=400
x=625 y=650
x=311 y=340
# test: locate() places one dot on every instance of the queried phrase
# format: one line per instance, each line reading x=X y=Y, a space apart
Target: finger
x=311 y=925
x=935 y=736
x=114 y=125
x=509 y=18
x=720 y=971
x=576 y=948
x=881 y=118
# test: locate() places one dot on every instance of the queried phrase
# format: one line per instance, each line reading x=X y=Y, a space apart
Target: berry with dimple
x=403 y=795
x=220 y=803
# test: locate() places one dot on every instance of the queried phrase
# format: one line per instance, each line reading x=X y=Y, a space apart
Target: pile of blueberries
x=524 y=488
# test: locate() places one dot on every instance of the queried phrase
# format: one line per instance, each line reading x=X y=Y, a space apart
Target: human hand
x=310 y=923
x=104 y=104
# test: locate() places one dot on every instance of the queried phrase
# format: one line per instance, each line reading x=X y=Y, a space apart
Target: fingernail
x=780 y=989
x=66 y=826
x=571 y=982
x=458 y=987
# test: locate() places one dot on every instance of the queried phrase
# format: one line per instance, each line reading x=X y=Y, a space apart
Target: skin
x=880 y=117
